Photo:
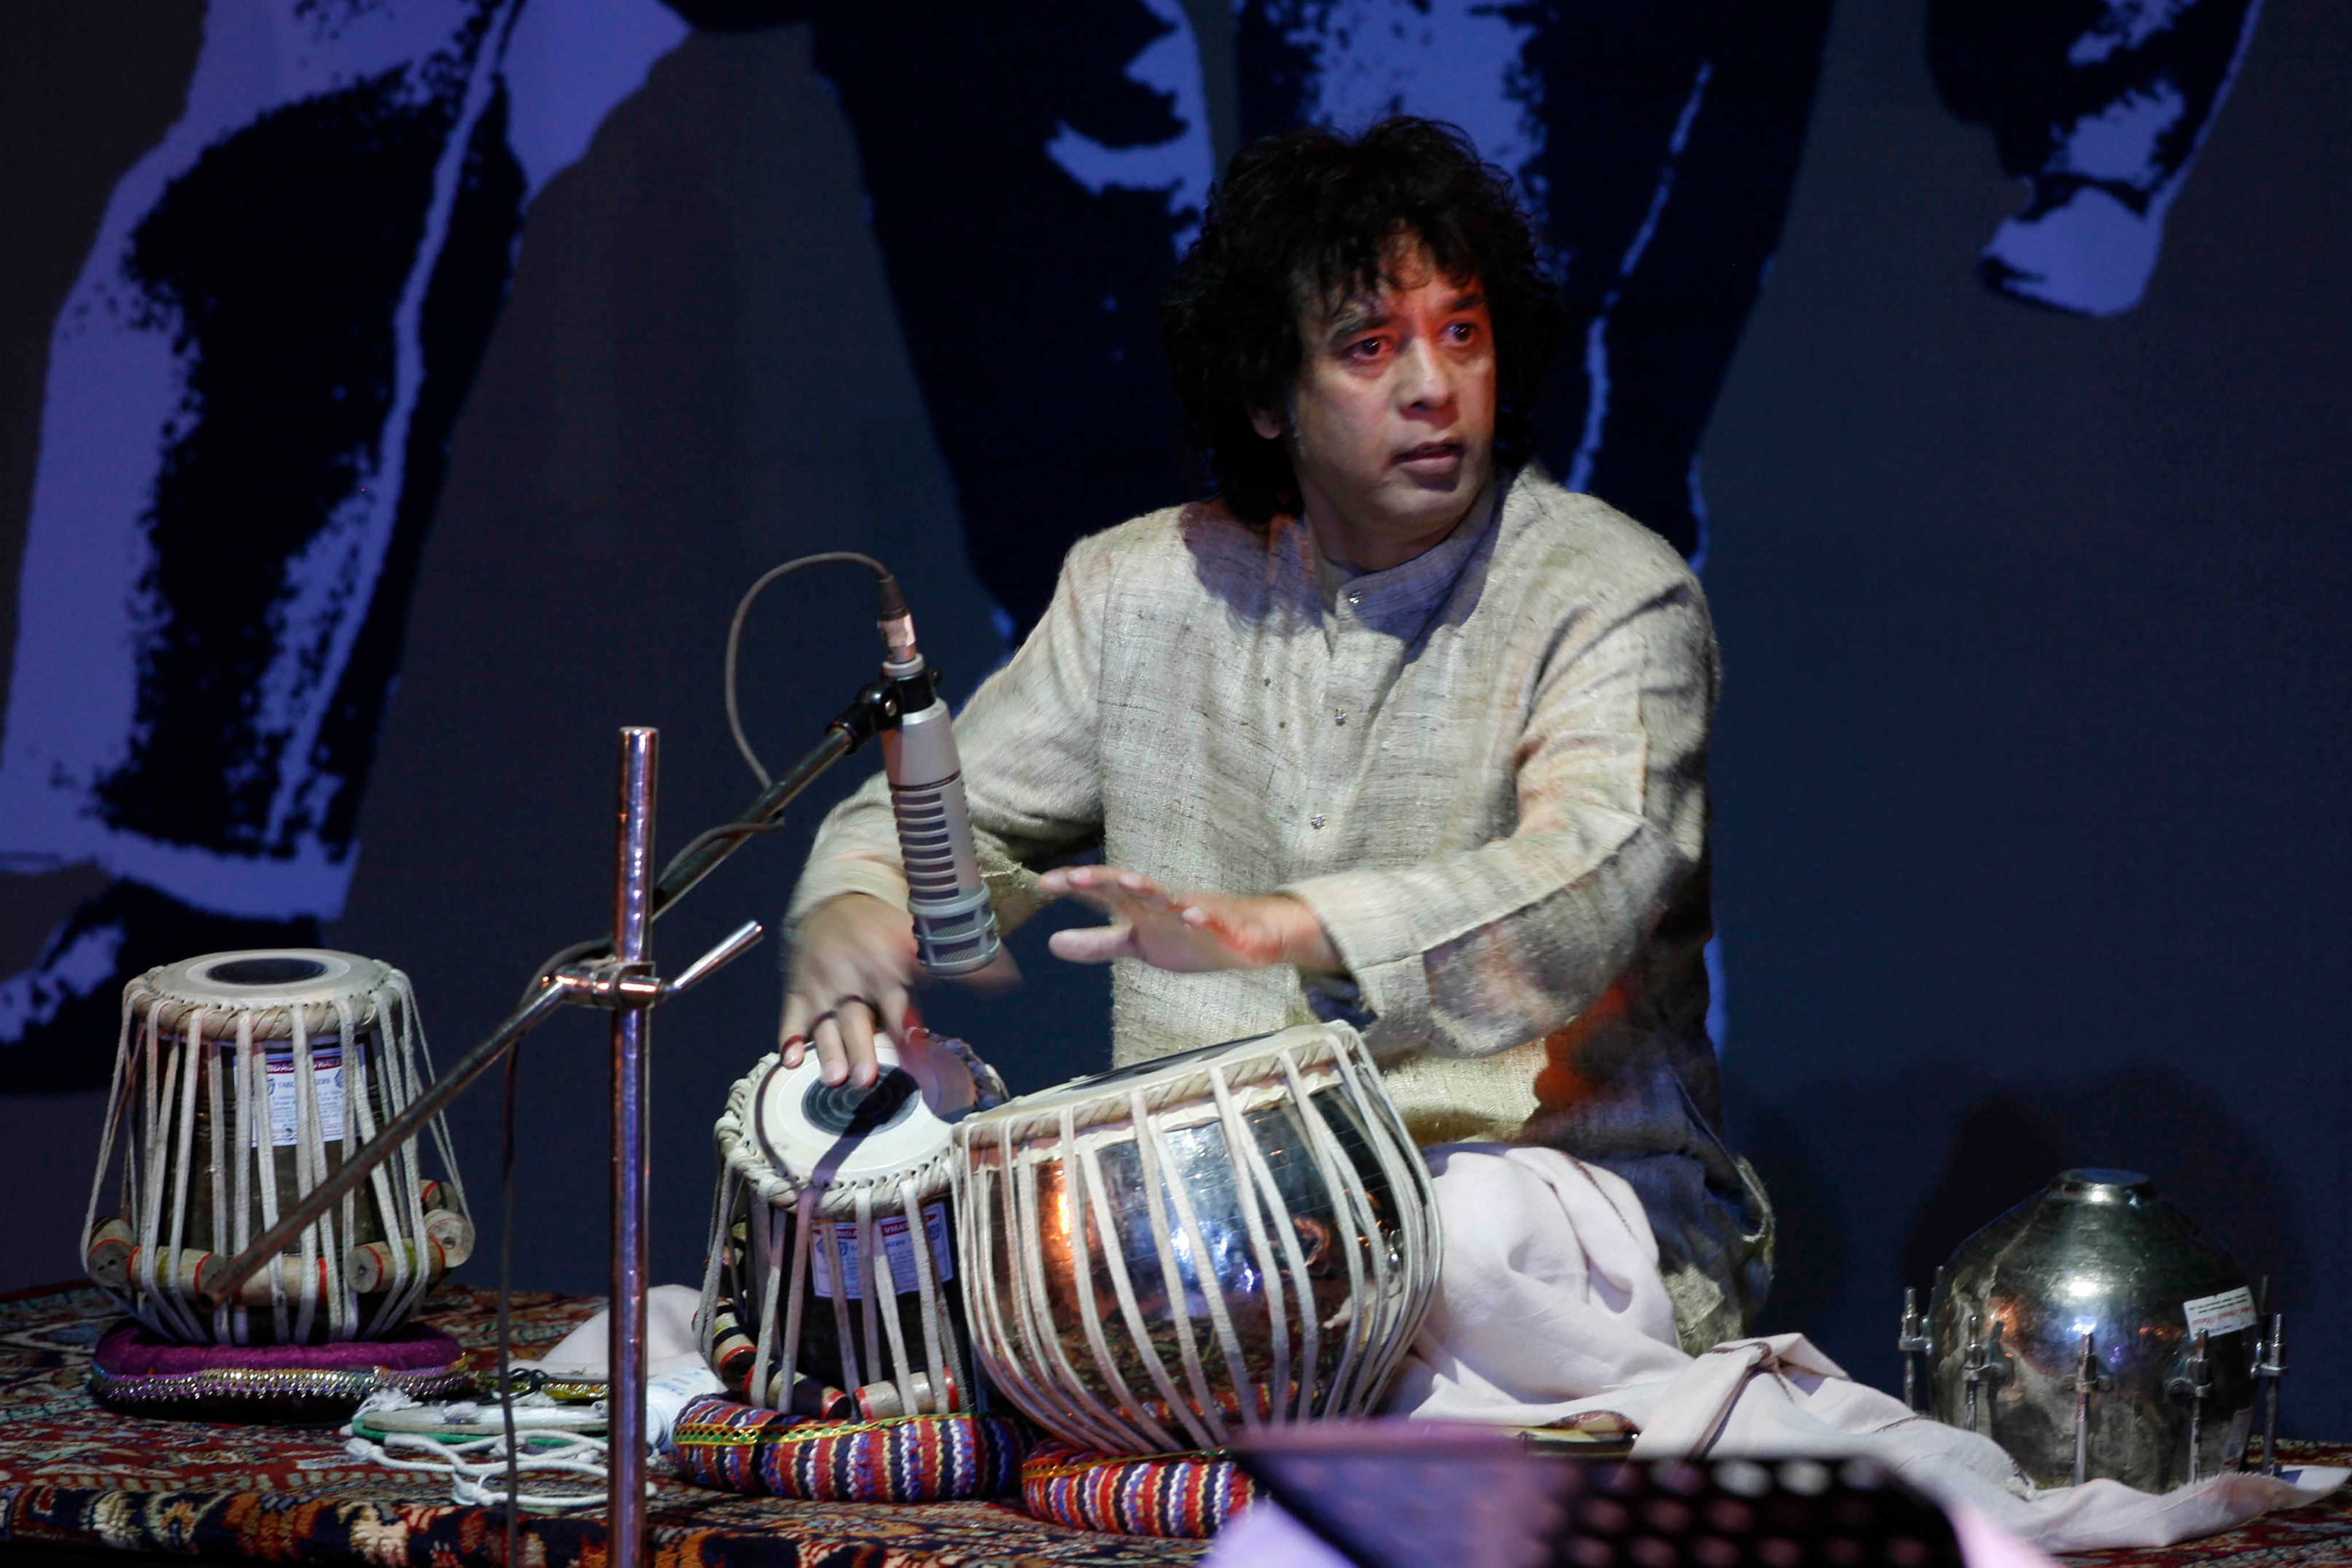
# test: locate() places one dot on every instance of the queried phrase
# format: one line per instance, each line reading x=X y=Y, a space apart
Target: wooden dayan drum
x=241 y=1081
x=829 y=1289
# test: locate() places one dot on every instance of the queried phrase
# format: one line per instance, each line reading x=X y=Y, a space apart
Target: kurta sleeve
x=1479 y=951
x=1027 y=739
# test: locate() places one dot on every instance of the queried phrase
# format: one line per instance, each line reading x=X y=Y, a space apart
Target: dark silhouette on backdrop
x=253 y=384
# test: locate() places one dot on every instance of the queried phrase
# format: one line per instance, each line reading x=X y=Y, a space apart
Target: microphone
x=955 y=925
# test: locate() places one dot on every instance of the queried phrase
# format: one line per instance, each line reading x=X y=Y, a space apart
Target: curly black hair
x=1313 y=215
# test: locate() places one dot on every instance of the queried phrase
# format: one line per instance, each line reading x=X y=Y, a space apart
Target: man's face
x=1391 y=421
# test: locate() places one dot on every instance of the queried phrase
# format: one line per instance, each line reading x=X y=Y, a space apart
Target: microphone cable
x=952 y=913
x=888 y=585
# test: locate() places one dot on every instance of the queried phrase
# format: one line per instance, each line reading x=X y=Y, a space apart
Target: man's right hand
x=852 y=966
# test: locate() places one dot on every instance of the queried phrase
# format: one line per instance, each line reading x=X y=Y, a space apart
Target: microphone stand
x=616 y=973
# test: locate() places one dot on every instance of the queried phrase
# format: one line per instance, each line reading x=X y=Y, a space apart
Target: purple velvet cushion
x=128 y=1350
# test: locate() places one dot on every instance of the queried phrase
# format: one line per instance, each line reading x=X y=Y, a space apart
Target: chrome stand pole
x=1972 y=1365
x=2271 y=1368
x=2194 y=1382
x=1915 y=1345
x=589 y=980
x=632 y=1028
x=626 y=983
x=2088 y=1379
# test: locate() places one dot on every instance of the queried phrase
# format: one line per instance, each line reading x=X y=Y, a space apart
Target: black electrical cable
x=506 y=1281
x=735 y=634
x=736 y=830
x=571 y=954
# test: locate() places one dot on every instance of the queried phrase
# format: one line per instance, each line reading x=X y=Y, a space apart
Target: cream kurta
x=1483 y=770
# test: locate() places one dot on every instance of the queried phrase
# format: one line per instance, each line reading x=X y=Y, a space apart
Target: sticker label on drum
x=326 y=1083
x=898 y=1245
x=2217 y=1315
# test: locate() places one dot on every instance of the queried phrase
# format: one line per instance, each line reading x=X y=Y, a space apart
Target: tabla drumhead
x=268 y=985
x=814 y=1133
x=1250 y=1059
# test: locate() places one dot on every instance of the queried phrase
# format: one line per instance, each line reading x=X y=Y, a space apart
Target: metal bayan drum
x=833 y=1201
x=241 y=1081
x=2092 y=1330
x=1243 y=1234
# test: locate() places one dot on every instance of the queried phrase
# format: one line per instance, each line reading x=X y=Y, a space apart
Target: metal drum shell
x=2100 y=1251
x=1089 y=1340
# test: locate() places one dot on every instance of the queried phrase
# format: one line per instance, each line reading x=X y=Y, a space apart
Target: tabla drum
x=1233 y=1237
x=828 y=1289
x=241 y=1081
x=2094 y=1331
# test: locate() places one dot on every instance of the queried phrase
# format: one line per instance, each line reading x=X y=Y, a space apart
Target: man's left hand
x=1191 y=932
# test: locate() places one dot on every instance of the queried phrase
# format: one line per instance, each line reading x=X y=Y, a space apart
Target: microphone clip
x=881 y=705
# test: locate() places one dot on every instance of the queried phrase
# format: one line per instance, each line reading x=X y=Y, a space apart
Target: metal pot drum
x=2092 y=1330
x=1228 y=1239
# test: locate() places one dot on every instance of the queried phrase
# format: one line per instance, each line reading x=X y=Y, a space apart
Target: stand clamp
x=2193 y=1381
x=1983 y=1367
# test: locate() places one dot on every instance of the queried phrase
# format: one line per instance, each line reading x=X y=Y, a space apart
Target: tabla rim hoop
x=768 y=1138
x=743 y=1162
x=1114 y=1121
x=268 y=987
x=1252 y=1062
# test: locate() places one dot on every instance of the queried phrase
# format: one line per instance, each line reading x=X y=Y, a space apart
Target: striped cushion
x=1160 y=1494
x=911 y=1458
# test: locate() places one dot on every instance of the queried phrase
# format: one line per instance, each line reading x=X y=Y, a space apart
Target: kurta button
x=1343 y=715
x=1316 y=821
x=1355 y=596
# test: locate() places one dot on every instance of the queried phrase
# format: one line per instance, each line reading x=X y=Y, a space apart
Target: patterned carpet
x=2317 y=1536
x=75 y=1475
